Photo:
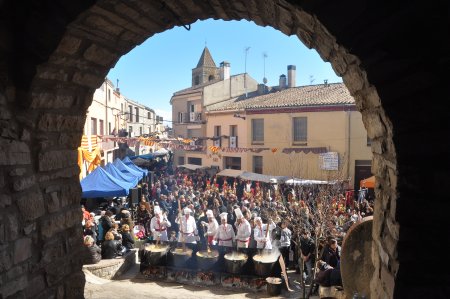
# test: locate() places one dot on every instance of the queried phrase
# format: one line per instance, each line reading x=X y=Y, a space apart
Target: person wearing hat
x=262 y=237
x=243 y=229
x=159 y=225
x=225 y=234
x=211 y=227
x=188 y=227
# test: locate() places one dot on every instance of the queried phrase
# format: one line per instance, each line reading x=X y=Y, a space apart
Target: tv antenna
x=245 y=70
x=311 y=79
x=264 y=60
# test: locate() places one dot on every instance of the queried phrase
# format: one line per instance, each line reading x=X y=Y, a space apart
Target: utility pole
x=245 y=70
x=264 y=61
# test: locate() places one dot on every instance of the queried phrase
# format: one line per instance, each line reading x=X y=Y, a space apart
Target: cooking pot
x=180 y=256
x=206 y=260
x=274 y=286
x=155 y=255
x=234 y=262
x=264 y=264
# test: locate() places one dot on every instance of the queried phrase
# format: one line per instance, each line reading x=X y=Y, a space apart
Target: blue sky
x=162 y=65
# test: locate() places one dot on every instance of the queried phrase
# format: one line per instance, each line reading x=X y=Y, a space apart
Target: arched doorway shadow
x=55 y=55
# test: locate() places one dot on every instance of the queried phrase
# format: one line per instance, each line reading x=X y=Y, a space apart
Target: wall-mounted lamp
x=239 y=116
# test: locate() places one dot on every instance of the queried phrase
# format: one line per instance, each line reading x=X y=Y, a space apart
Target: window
x=258 y=164
x=180 y=117
x=180 y=160
x=300 y=129
x=131 y=113
x=137 y=114
x=210 y=78
x=196 y=80
x=148 y=116
x=233 y=137
x=258 y=130
x=100 y=123
x=369 y=141
x=93 y=126
x=109 y=128
x=191 y=107
x=232 y=163
x=140 y=131
x=195 y=161
x=130 y=130
x=109 y=95
x=217 y=133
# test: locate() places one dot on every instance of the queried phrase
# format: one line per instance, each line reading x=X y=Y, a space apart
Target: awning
x=192 y=167
x=124 y=168
x=100 y=183
x=130 y=164
x=308 y=182
x=230 y=173
x=123 y=176
x=368 y=183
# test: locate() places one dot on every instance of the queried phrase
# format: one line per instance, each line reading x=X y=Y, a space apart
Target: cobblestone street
x=132 y=285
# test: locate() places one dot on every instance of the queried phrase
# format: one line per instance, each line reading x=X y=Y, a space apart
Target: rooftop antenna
x=245 y=70
x=264 y=59
x=117 y=85
x=311 y=79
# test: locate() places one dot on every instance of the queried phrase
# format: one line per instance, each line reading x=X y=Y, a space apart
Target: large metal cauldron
x=235 y=261
x=274 y=285
x=264 y=264
x=180 y=256
x=155 y=255
x=206 y=260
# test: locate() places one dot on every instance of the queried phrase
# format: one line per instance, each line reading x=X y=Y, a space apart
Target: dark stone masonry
x=392 y=56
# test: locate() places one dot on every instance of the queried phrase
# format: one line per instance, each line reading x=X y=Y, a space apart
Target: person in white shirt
x=159 y=225
x=188 y=228
x=225 y=234
x=262 y=237
x=243 y=228
x=212 y=227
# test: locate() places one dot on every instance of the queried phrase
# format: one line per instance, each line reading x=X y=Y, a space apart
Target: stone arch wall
x=55 y=54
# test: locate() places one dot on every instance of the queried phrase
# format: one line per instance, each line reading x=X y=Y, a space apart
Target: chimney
x=224 y=70
x=291 y=76
x=282 y=81
x=261 y=89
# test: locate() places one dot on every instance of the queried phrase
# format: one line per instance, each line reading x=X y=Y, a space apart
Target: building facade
x=210 y=85
x=310 y=132
x=111 y=114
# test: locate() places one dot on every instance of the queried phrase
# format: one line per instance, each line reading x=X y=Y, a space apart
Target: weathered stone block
x=20 y=171
x=5 y=200
x=22 y=250
x=35 y=286
x=52 y=160
x=13 y=287
x=58 y=122
x=24 y=183
x=99 y=55
x=53 y=202
x=14 y=153
x=69 y=45
x=31 y=205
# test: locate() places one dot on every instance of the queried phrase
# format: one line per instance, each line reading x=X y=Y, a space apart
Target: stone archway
x=54 y=55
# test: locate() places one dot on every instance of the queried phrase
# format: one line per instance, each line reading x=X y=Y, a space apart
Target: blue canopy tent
x=127 y=177
x=99 y=183
x=149 y=156
x=130 y=164
x=124 y=168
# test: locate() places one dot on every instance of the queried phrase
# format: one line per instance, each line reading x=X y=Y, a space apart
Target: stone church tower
x=206 y=69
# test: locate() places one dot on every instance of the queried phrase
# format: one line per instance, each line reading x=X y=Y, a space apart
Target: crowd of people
x=305 y=223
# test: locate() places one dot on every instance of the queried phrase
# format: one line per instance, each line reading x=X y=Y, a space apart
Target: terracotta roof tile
x=311 y=95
